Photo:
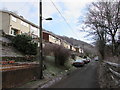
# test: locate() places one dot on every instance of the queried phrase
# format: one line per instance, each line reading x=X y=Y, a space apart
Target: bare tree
x=104 y=16
x=101 y=43
x=60 y=53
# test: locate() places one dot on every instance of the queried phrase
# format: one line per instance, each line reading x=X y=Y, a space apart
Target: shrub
x=25 y=44
x=73 y=56
x=61 y=54
x=48 y=49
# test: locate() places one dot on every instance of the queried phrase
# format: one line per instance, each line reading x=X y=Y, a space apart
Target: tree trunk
x=113 y=44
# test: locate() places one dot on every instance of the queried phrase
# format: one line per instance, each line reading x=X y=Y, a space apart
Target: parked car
x=78 y=63
x=96 y=58
x=86 y=61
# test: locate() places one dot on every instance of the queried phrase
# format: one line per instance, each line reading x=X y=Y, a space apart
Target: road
x=84 y=77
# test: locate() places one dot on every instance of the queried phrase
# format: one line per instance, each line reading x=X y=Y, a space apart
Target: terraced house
x=65 y=44
x=78 y=49
x=51 y=38
x=13 y=24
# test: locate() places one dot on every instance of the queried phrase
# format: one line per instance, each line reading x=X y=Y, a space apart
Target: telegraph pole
x=40 y=41
x=40 y=48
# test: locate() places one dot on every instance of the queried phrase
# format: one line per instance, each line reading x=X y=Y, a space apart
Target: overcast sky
x=73 y=11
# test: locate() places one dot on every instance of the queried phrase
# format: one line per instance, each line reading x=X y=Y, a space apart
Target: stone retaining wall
x=14 y=78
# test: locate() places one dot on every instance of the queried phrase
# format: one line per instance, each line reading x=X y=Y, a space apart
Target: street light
x=48 y=19
x=40 y=54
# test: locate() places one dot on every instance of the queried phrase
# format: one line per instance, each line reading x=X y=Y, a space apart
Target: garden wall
x=14 y=78
x=19 y=59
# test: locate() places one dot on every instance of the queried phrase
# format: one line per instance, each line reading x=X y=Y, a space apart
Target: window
x=24 y=23
x=33 y=28
x=13 y=18
x=14 y=32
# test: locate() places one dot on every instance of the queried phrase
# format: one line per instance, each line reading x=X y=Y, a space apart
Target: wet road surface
x=83 y=77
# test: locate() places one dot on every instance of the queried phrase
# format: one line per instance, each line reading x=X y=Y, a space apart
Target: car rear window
x=78 y=61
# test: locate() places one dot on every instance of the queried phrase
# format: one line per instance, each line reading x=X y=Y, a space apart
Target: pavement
x=84 y=77
x=46 y=82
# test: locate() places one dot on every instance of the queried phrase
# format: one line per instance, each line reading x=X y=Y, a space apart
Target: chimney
x=21 y=16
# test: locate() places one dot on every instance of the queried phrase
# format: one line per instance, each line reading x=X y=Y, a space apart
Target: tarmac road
x=83 y=77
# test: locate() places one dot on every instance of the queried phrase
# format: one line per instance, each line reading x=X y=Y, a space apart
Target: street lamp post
x=40 y=51
x=40 y=41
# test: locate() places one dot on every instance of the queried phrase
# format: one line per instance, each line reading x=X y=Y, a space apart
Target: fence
x=114 y=69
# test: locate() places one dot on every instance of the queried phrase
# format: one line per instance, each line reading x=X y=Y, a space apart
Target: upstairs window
x=13 y=18
x=34 y=30
x=24 y=23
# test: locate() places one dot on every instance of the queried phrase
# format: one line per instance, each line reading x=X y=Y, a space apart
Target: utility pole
x=40 y=41
x=40 y=48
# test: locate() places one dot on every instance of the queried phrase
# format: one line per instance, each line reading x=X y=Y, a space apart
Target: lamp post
x=40 y=51
x=40 y=56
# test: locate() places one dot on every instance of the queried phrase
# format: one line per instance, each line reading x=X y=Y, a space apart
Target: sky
x=74 y=12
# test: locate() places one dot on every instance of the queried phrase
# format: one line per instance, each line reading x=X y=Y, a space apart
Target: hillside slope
x=8 y=50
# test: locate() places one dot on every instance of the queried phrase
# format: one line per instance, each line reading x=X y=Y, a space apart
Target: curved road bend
x=84 y=77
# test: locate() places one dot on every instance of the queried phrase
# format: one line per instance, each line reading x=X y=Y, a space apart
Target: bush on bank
x=25 y=44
